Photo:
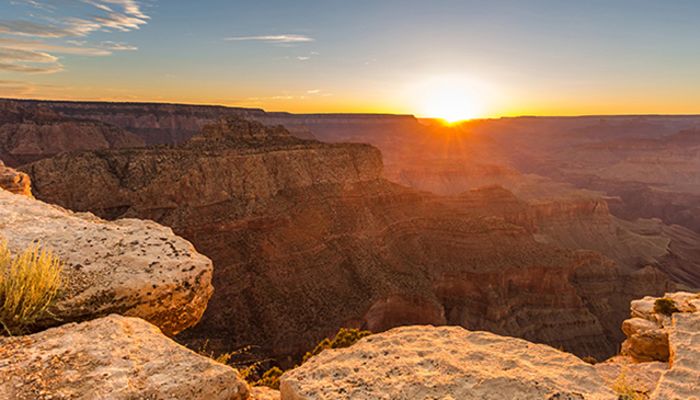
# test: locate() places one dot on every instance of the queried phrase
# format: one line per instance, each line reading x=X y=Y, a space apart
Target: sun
x=451 y=100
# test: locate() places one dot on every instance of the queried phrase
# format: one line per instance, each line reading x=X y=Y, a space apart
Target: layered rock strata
x=29 y=133
x=300 y=229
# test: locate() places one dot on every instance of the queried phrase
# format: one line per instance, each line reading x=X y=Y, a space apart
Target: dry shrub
x=29 y=284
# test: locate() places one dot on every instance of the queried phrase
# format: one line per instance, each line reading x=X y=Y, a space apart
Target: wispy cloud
x=35 y=55
x=117 y=46
x=272 y=38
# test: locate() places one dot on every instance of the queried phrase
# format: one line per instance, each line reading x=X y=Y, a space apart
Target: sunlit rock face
x=659 y=358
x=424 y=362
x=14 y=181
x=129 y=266
x=29 y=133
x=453 y=363
x=114 y=357
x=308 y=237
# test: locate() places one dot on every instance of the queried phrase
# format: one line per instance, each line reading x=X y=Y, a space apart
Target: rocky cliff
x=308 y=237
x=30 y=133
x=425 y=362
x=157 y=123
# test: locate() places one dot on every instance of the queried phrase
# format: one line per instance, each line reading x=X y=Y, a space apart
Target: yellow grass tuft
x=29 y=284
x=624 y=390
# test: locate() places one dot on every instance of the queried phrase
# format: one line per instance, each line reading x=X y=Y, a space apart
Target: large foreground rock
x=129 y=267
x=424 y=362
x=110 y=358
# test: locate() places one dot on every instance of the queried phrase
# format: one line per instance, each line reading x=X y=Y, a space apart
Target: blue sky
x=512 y=57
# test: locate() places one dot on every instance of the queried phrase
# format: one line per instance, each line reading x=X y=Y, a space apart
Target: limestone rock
x=648 y=330
x=627 y=371
x=264 y=393
x=682 y=380
x=113 y=358
x=424 y=362
x=14 y=181
x=129 y=267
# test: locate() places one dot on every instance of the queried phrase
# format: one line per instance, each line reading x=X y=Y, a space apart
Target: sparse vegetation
x=665 y=306
x=625 y=391
x=270 y=378
x=29 y=284
x=249 y=368
x=344 y=338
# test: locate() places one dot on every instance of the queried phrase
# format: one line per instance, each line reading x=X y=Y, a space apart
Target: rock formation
x=131 y=267
x=14 y=181
x=114 y=358
x=651 y=323
x=424 y=362
x=28 y=134
x=452 y=363
x=157 y=123
x=308 y=237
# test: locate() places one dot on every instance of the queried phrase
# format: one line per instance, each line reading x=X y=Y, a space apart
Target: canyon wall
x=308 y=237
x=32 y=133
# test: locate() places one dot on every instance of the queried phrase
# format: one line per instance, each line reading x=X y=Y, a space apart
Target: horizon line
x=353 y=113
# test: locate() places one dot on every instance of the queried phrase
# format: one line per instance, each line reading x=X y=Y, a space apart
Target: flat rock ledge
x=129 y=267
x=110 y=358
x=447 y=363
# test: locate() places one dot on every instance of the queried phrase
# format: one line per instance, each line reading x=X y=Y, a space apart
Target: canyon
x=289 y=218
x=292 y=238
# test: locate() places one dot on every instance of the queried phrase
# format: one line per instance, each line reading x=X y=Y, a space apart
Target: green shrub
x=29 y=284
x=665 y=306
x=344 y=338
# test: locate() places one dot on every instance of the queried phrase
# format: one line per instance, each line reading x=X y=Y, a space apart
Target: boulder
x=425 y=362
x=14 y=181
x=114 y=358
x=129 y=267
x=648 y=330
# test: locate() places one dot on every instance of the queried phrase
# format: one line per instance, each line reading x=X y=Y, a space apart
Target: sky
x=458 y=58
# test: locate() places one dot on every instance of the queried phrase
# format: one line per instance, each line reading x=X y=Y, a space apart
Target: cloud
x=303 y=58
x=272 y=38
x=29 y=28
x=117 y=46
x=35 y=56
x=36 y=45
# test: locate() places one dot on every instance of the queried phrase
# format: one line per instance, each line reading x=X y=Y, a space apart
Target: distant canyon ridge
x=542 y=228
